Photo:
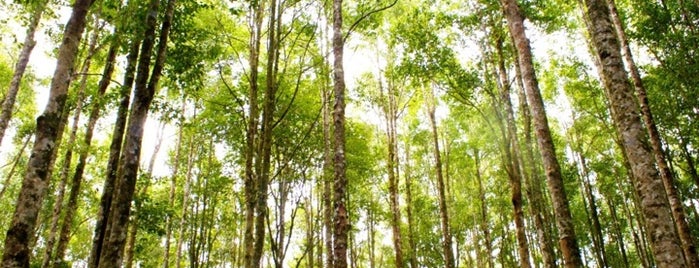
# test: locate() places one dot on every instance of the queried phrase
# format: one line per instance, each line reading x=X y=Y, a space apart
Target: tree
x=688 y=247
x=341 y=217
x=564 y=220
x=19 y=235
x=655 y=207
x=144 y=92
x=21 y=66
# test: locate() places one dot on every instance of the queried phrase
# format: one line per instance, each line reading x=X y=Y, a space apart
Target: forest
x=361 y=133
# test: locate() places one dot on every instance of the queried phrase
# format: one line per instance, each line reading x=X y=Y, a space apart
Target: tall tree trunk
x=533 y=180
x=430 y=102
x=114 y=153
x=21 y=231
x=391 y=115
x=256 y=9
x=173 y=185
x=512 y=157
x=266 y=132
x=564 y=219
x=656 y=209
x=185 y=202
x=133 y=230
x=20 y=67
x=688 y=246
x=341 y=217
x=144 y=93
x=65 y=170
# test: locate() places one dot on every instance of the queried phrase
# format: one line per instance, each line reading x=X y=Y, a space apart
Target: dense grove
x=368 y=133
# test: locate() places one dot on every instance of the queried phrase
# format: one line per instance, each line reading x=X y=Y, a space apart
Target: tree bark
x=101 y=227
x=20 y=67
x=665 y=242
x=17 y=249
x=341 y=215
x=144 y=93
x=688 y=245
x=564 y=219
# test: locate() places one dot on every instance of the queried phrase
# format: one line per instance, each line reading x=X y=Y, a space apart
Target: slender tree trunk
x=82 y=159
x=21 y=231
x=101 y=225
x=15 y=163
x=665 y=242
x=251 y=136
x=266 y=133
x=688 y=245
x=173 y=185
x=533 y=180
x=512 y=157
x=484 y=226
x=443 y=210
x=391 y=115
x=591 y=206
x=327 y=178
x=618 y=236
x=341 y=217
x=144 y=93
x=20 y=67
x=64 y=235
x=564 y=219
x=185 y=202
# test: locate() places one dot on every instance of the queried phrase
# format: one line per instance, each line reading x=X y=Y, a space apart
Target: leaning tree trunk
x=114 y=152
x=665 y=242
x=688 y=246
x=533 y=180
x=21 y=232
x=64 y=234
x=341 y=217
x=144 y=93
x=20 y=67
x=564 y=219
